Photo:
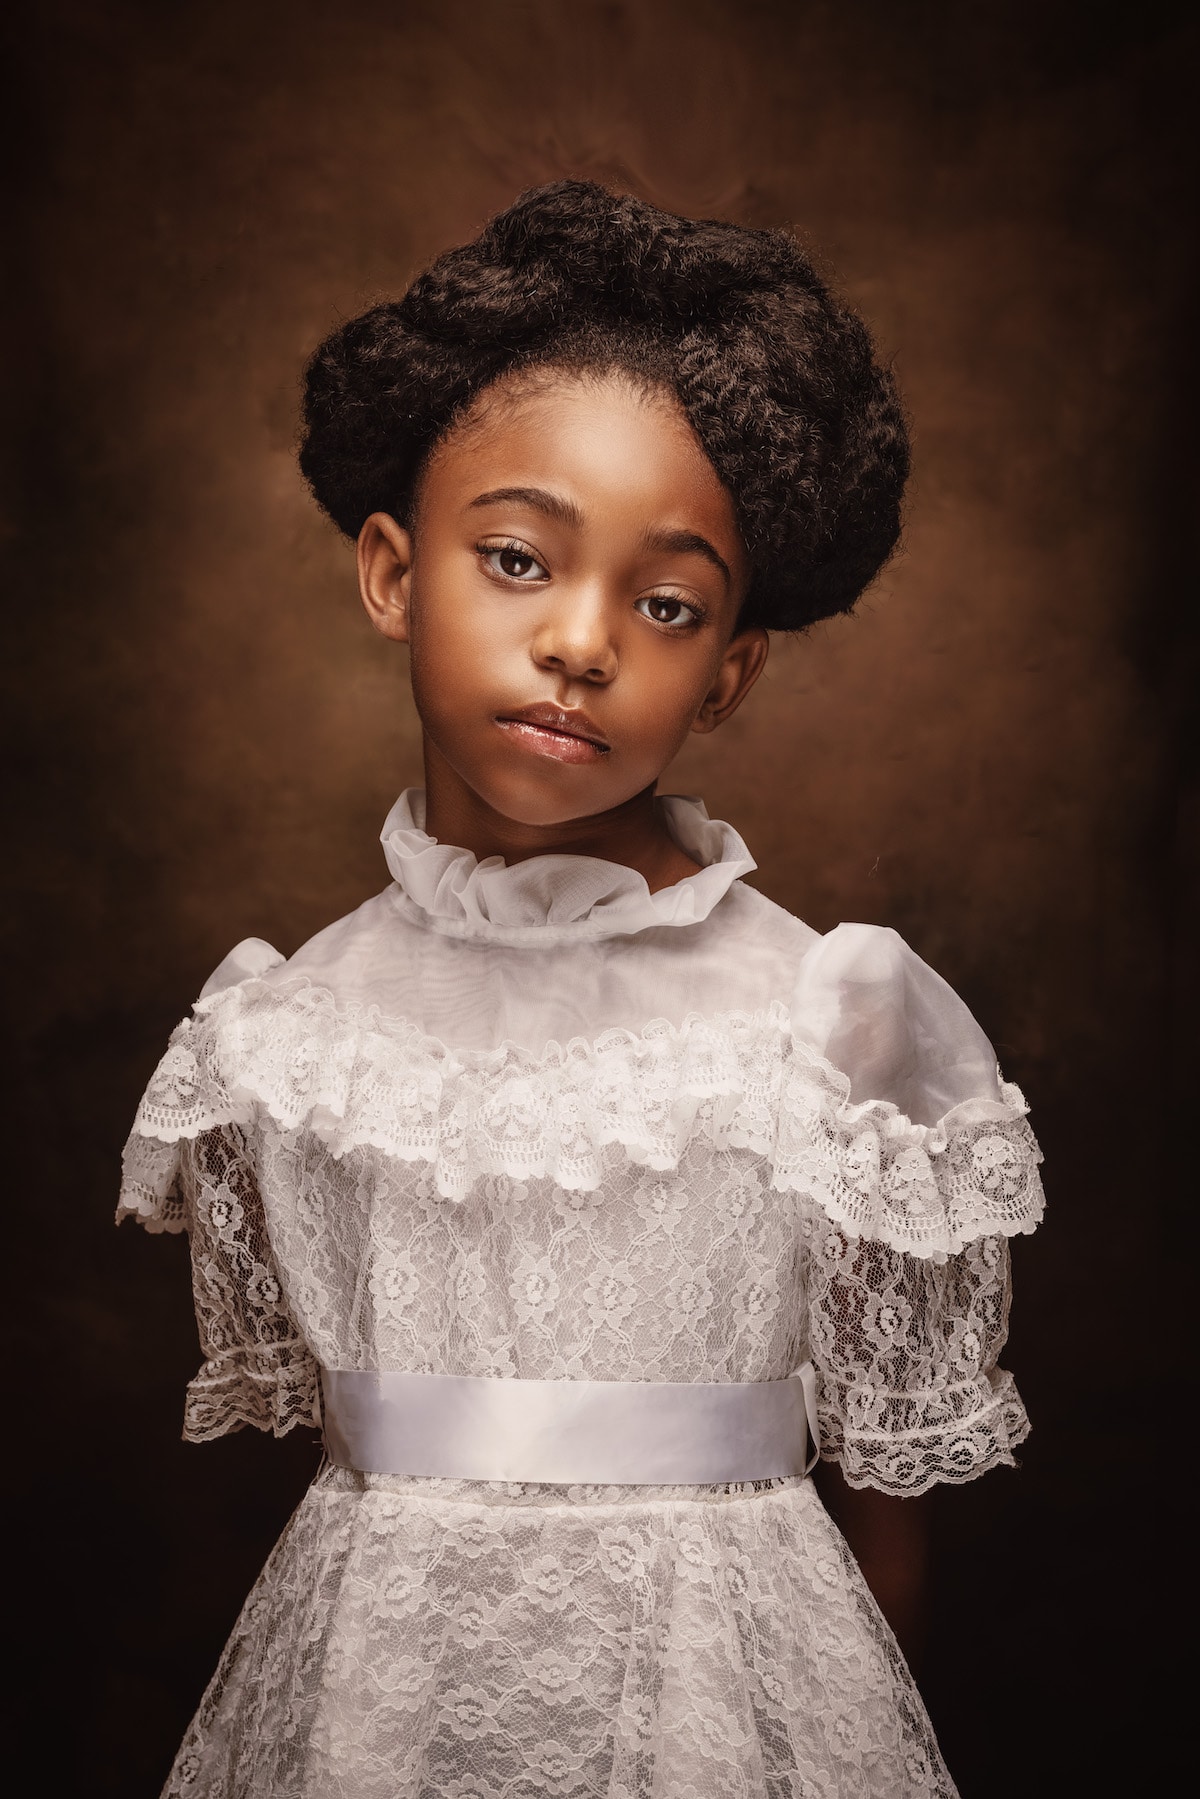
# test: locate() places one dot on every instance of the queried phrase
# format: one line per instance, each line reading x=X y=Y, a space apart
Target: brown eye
x=665 y=610
x=511 y=560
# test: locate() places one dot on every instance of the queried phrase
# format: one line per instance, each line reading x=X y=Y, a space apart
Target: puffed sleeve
x=919 y=1166
x=188 y=1166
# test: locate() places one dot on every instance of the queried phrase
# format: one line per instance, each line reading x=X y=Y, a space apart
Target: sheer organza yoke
x=536 y=1121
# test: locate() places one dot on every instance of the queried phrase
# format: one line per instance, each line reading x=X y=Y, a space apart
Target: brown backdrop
x=209 y=734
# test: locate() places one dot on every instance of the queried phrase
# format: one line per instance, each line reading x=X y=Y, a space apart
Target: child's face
x=569 y=595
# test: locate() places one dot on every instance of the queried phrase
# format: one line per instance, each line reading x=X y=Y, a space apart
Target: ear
x=385 y=556
x=743 y=662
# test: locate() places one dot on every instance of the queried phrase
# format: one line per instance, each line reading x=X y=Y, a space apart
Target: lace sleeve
x=906 y=1349
x=187 y=1167
x=257 y=1368
x=919 y=1166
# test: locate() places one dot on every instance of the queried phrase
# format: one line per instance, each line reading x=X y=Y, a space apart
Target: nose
x=575 y=638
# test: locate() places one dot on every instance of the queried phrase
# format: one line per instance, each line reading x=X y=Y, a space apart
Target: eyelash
x=675 y=599
x=513 y=546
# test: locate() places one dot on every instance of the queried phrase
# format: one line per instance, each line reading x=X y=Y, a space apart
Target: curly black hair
x=777 y=377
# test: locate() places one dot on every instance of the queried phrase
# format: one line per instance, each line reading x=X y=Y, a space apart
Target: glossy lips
x=551 y=731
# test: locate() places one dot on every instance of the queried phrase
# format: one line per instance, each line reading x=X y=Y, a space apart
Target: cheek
x=453 y=639
x=667 y=691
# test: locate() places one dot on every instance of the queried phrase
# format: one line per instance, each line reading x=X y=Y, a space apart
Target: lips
x=565 y=735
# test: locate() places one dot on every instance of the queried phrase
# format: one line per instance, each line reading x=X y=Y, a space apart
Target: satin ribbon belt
x=589 y=1432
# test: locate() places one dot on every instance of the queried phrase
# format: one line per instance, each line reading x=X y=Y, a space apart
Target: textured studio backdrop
x=209 y=733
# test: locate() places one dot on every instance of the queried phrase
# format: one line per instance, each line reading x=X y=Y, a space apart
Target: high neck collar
x=575 y=897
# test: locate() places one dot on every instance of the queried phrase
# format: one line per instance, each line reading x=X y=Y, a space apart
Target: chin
x=554 y=801
x=548 y=809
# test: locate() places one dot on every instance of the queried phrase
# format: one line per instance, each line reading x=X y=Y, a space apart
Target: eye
x=665 y=609
x=512 y=560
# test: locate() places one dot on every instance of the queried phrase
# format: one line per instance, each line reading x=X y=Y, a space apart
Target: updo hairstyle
x=777 y=377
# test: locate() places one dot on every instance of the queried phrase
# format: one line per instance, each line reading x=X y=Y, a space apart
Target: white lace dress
x=537 y=1122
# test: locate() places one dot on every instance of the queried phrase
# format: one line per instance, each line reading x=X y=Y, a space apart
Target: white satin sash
x=587 y=1432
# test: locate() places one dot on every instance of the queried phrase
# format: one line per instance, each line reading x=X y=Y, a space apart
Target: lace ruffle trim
x=269 y=1387
x=150 y=1184
x=357 y=1079
x=905 y=1443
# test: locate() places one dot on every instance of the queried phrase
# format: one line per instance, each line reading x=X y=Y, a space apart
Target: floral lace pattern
x=402 y=1644
x=303 y=1258
x=358 y=1079
x=697 y=1203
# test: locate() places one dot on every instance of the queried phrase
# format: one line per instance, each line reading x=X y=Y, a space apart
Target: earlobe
x=742 y=664
x=385 y=555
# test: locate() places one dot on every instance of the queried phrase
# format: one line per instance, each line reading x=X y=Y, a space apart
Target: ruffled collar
x=575 y=897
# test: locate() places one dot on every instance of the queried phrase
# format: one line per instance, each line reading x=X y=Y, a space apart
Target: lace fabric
x=370 y=1182
x=355 y=1079
x=405 y=1643
x=701 y=1265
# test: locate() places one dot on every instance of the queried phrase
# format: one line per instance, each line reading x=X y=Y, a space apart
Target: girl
x=579 y=1193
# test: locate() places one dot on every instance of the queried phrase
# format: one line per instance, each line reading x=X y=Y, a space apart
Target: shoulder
x=337 y=957
x=819 y=971
x=754 y=915
x=267 y=1031
x=756 y=943
x=867 y=1003
x=861 y=999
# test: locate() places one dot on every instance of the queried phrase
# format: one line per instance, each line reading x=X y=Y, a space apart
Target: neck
x=634 y=834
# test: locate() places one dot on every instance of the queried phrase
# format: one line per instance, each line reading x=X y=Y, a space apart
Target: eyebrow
x=539 y=499
x=565 y=512
x=687 y=543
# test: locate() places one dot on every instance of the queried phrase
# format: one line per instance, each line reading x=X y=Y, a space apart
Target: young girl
x=578 y=1192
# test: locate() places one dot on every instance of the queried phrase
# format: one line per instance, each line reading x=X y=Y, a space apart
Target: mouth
x=566 y=736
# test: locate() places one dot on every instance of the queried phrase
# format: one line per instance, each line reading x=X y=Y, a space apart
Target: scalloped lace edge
x=738 y=1079
x=866 y=1458
x=242 y=1396
x=160 y=1215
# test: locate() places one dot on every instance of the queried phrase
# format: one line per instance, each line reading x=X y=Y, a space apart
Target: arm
x=917 y=1176
x=889 y=1539
x=257 y=1370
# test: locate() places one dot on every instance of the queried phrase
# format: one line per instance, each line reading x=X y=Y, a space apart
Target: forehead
x=621 y=451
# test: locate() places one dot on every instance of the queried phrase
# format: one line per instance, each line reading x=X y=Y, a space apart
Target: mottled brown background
x=208 y=734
